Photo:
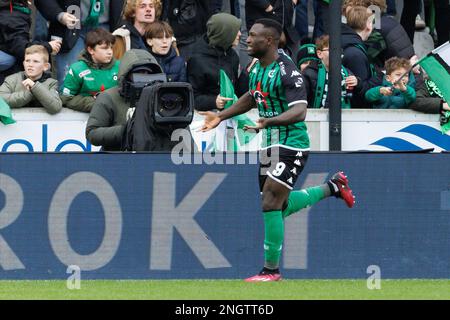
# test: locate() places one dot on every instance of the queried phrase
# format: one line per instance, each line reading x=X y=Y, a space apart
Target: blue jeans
x=391 y=8
x=235 y=8
x=6 y=61
x=64 y=60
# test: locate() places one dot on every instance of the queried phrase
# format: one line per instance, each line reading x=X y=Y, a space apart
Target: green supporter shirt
x=275 y=89
x=87 y=81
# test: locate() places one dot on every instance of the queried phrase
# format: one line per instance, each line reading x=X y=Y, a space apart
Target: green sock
x=273 y=238
x=305 y=198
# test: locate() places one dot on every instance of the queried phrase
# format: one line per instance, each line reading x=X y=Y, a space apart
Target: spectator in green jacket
x=429 y=99
x=94 y=72
x=393 y=94
x=33 y=87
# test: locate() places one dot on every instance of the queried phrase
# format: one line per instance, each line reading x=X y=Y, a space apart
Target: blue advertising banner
x=143 y=216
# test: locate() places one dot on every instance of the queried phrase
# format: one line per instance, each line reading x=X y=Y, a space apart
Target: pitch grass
x=224 y=290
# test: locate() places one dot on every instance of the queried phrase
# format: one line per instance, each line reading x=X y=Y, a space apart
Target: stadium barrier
x=362 y=129
x=139 y=216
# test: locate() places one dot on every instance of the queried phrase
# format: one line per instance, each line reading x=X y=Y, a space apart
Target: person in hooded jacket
x=106 y=123
x=33 y=87
x=188 y=19
x=212 y=53
x=159 y=37
x=357 y=30
x=15 y=25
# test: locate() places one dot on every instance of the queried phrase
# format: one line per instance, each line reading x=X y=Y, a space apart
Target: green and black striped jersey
x=275 y=89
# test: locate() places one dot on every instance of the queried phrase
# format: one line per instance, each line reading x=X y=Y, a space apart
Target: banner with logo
x=375 y=130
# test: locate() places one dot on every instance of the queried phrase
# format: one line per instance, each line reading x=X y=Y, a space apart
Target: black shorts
x=282 y=165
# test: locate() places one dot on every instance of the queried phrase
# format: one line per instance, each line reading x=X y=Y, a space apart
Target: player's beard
x=258 y=54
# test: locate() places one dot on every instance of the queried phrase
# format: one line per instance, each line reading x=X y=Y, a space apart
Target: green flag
x=5 y=113
x=241 y=137
x=96 y=10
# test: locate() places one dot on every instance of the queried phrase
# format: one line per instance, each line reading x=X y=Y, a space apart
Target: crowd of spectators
x=192 y=41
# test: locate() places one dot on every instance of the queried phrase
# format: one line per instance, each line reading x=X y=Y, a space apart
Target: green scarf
x=97 y=9
x=22 y=9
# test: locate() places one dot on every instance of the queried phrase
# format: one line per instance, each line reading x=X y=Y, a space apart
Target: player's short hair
x=99 y=36
x=273 y=25
x=158 y=29
x=37 y=48
x=130 y=9
x=323 y=42
x=357 y=17
x=395 y=63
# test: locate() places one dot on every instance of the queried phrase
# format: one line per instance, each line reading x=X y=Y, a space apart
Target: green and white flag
x=241 y=137
x=437 y=65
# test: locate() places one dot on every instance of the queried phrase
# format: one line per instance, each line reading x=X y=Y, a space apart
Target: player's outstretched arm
x=212 y=119
x=294 y=114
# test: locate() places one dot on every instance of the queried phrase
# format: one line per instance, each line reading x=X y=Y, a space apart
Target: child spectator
x=32 y=87
x=390 y=40
x=316 y=78
x=393 y=94
x=357 y=30
x=159 y=37
x=96 y=71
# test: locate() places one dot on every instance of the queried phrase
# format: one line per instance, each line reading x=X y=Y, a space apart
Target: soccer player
x=276 y=88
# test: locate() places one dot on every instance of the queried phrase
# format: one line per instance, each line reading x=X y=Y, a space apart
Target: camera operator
x=108 y=117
